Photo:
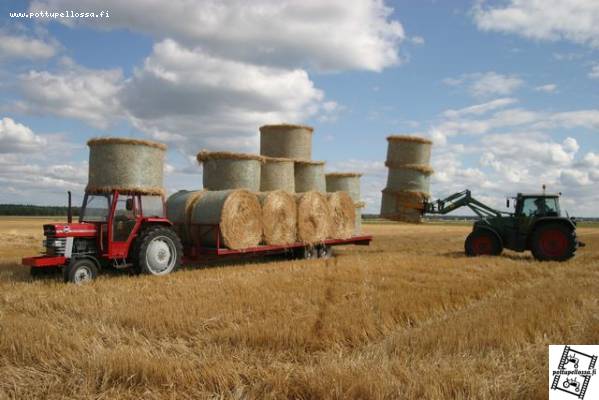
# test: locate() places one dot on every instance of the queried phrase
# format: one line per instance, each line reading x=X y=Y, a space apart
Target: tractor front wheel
x=159 y=251
x=553 y=242
x=80 y=271
x=481 y=242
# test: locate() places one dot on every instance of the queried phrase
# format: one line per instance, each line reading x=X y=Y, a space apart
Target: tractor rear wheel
x=481 y=242
x=553 y=242
x=159 y=251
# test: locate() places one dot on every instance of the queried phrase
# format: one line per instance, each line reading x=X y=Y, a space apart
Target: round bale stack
x=348 y=182
x=408 y=182
x=309 y=176
x=277 y=174
x=224 y=170
x=127 y=165
x=343 y=215
x=286 y=141
x=279 y=217
x=178 y=210
x=237 y=212
x=313 y=217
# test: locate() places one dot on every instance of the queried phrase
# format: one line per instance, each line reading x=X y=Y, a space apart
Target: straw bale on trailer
x=309 y=176
x=237 y=212
x=344 y=181
x=410 y=177
x=286 y=140
x=343 y=215
x=224 y=170
x=313 y=217
x=402 y=205
x=279 y=217
x=178 y=210
x=408 y=150
x=125 y=164
x=277 y=174
x=359 y=206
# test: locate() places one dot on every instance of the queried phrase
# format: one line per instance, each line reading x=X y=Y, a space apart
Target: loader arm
x=458 y=200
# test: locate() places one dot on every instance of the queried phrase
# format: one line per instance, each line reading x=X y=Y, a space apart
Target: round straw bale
x=277 y=174
x=178 y=210
x=309 y=176
x=415 y=178
x=313 y=217
x=346 y=182
x=225 y=170
x=279 y=217
x=408 y=150
x=402 y=205
x=125 y=164
x=286 y=140
x=359 y=206
x=236 y=212
x=343 y=215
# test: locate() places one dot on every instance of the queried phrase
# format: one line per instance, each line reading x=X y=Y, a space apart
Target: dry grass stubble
x=407 y=317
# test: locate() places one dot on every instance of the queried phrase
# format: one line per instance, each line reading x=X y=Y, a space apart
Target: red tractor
x=114 y=229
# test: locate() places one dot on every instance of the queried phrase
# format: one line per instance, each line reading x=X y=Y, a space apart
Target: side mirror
x=129 y=204
x=507 y=203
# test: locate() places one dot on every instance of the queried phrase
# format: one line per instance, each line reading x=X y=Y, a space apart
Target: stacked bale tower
x=408 y=180
x=127 y=165
x=348 y=182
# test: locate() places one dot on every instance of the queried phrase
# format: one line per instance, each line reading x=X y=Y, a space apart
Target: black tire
x=482 y=242
x=80 y=271
x=307 y=253
x=325 y=251
x=553 y=242
x=158 y=251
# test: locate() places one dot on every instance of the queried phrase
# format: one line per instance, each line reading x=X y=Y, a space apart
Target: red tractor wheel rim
x=482 y=245
x=553 y=242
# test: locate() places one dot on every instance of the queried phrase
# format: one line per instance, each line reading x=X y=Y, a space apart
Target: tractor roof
x=538 y=195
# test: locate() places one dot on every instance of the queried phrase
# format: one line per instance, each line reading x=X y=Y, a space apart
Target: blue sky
x=506 y=89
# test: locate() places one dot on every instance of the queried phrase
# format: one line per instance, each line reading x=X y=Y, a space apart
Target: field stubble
x=407 y=317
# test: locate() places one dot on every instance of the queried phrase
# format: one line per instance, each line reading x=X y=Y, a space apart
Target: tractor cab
x=537 y=205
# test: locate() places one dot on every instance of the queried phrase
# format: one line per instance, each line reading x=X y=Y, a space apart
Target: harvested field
x=408 y=317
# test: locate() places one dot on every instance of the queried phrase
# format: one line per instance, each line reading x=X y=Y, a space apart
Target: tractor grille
x=55 y=246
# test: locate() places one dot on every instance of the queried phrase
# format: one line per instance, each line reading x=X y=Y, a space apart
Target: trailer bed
x=194 y=254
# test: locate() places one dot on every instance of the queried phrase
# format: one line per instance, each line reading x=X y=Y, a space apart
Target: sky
x=506 y=89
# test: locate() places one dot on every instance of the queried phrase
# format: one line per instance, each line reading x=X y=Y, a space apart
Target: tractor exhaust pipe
x=70 y=209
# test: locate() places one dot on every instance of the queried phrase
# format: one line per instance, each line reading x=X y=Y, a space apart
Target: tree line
x=29 y=209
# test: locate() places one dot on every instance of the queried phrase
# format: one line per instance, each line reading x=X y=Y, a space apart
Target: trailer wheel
x=325 y=251
x=481 y=242
x=160 y=251
x=80 y=271
x=308 y=252
x=553 y=242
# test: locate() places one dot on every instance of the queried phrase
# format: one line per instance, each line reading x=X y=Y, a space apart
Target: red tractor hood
x=70 y=230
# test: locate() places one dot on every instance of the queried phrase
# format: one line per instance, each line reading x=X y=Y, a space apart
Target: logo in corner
x=572 y=371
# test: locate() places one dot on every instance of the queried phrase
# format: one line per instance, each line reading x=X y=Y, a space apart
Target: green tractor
x=536 y=225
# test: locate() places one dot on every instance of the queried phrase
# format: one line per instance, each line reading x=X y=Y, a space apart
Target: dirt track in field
x=408 y=317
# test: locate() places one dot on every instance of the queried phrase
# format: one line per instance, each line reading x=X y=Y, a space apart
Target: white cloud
x=487 y=84
x=331 y=35
x=23 y=47
x=594 y=73
x=214 y=102
x=76 y=92
x=418 y=40
x=480 y=109
x=18 y=138
x=548 y=88
x=573 y=20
